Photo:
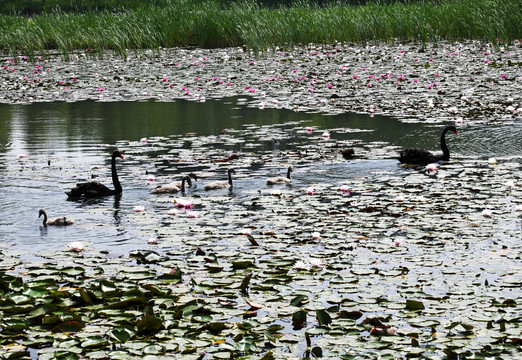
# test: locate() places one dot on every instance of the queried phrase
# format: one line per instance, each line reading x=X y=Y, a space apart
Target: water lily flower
x=345 y=188
x=316 y=235
x=441 y=175
x=316 y=263
x=183 y=203
x=492 y=161
x=432 y=167
x=246 y=232
x=383 y=330
x=21 y=156
x=309 y=129
x=173 y=212
x=487 y=213
x=138 y=208
x=151 y=178
x=326 y=135
x=152 y=241
x=301 y=265
x=192 y=214
x=399 y=198
x=310 y=191
x=453 y=110
x=75 y=246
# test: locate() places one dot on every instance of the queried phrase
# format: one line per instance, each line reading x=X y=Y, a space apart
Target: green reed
x=218 y=24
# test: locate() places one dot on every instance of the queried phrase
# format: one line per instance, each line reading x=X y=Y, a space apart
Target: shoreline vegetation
x=218 y=24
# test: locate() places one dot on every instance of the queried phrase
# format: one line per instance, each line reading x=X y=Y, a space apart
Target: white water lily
x=492 y=161
x=441 y=175
x=432 y=167
x=316 y=263
x=301 y=265
x=192 y=214
x=75 y=246
x=487 y=213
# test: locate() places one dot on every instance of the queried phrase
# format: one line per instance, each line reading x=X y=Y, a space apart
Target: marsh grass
x=210 y=24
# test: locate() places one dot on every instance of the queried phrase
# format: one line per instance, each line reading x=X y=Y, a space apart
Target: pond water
x=46 y=148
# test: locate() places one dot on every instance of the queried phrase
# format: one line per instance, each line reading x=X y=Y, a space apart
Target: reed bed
x=210 y=24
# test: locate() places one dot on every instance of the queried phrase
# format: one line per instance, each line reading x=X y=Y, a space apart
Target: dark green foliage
x=132 y=25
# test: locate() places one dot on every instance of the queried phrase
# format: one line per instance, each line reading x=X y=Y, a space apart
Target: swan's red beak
x=122 y=156
x=456 y=132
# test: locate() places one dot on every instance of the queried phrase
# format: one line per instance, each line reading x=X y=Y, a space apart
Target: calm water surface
x=76 y=138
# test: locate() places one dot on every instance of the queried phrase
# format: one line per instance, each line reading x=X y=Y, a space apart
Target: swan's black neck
x=288 y=173
x=44 y=222
x=230 y=177
x=183 y=180
x=443 y=146
x=116 y=182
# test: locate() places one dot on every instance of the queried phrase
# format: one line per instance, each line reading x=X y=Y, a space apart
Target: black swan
x=280 y=179
x=423 y=157
x=58 y=221
x=173 y=187
x=93 y=189
x=221 y=184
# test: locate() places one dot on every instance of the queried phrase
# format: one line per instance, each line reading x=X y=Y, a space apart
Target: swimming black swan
x=280 y=179
x=173 y=187
x=423 y=157
x=58 y=221
x=221 y=184
x=93 y=189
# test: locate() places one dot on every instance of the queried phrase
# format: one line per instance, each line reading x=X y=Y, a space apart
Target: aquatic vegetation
x=401 y=90
x=408 y=264
x=213 y=24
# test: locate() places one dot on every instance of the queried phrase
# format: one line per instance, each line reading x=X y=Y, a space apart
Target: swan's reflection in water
x=43 y=230
x=116 y=213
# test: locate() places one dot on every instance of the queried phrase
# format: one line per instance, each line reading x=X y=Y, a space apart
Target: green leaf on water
x=323 y=317
x=122 y=334
x=241 y=264
x=149 y=323
x=298 y=300
x=299 y=319
x=245 y=283
x=414 y=305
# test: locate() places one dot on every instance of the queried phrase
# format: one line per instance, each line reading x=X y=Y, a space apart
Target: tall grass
x=213 y=24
